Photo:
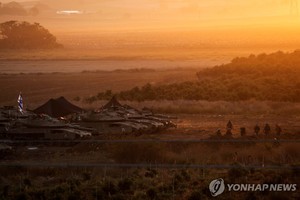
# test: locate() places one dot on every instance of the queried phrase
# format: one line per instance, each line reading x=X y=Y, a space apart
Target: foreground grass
x=154 y=182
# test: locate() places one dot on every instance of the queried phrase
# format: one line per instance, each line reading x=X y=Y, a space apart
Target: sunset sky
x=159 y=24
x=162 y=14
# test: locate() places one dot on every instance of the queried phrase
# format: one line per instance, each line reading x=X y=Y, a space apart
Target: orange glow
x=163 y=14
x=227 y=23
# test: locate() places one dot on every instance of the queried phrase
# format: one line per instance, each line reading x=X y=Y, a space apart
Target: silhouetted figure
x=243 y=131
x=256 y=129
x=229 y=128
x=278 y=129
x=228 y=132
x=235 y=157
x=219 y=132
x=267 y=129
x=229 y=125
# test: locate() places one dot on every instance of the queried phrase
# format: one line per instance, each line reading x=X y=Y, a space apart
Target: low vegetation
x=272 y=77
x=153 y=182
x=251 y=107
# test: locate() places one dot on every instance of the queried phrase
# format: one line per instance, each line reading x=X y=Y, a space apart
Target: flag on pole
x=20 y=103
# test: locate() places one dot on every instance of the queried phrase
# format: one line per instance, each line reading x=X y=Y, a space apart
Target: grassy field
x=75 y=172
x=83 y=170
x=56 y=171
x=38 y=87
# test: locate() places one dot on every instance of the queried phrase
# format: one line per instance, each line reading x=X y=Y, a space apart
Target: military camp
x=59 y=119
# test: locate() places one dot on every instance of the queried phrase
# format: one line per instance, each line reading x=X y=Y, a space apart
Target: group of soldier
x=266 y=130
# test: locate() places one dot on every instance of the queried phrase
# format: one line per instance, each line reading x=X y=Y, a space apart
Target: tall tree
x=24 y=35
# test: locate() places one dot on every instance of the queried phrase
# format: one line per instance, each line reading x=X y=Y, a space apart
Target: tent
x=57 y=108
x=113 y=103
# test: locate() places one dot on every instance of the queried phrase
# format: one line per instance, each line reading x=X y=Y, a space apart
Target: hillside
x=273 y=77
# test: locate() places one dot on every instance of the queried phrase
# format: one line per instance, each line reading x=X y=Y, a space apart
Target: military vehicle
x=117 y=118
x=111 y=118
x=28 y=125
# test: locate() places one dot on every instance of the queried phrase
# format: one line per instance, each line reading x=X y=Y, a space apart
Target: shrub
x=125 y=184
x=236 y=172
x=196 y=195
x=152 y=193
x=109 y=188
x=274 y=78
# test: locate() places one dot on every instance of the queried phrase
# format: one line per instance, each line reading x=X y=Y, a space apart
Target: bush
x=196 y=195
x=251 y=196
x=150 y=173
x=109 y=188
x=131 y=153
x=152 y=193
x=125 y=184
x=58 y=192
x=27 y=182
x=86 y=176
x=75 y=195
x=22 y=196
x=119 y=197
x=272 y=77
x=236 y=172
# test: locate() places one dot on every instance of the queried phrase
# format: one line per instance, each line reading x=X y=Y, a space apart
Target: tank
x=28 y=125
x=117 y=118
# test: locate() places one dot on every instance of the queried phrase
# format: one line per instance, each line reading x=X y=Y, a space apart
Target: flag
x=20 y=103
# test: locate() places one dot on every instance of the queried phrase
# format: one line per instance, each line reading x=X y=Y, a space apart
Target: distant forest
x=273 y=77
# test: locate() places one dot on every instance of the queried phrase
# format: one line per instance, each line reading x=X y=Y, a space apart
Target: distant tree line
x=273 y=77
x=15 y=8
x=24 y=35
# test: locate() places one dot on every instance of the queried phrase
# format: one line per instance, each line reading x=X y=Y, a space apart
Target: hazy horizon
x=159 y=14
x=168 y=29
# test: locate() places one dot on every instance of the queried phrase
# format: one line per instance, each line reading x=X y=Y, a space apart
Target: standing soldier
x=267 y=129
x=229 y=128
x=229 y=125
x=243 y=131
x=256 y=129
x=219 y=132
x=278 y=129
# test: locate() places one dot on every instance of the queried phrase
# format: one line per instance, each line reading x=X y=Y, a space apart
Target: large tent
x=57 y=108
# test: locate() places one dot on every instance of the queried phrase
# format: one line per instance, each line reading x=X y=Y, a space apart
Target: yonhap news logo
x=218 y=186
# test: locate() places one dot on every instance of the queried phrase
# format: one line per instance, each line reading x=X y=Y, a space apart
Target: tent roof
x=57 y=108
x=113 y=103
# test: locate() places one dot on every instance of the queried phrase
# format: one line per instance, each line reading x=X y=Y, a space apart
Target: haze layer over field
x=164 y=24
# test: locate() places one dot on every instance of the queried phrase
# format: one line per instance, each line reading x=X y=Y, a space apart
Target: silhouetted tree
x=23 y=35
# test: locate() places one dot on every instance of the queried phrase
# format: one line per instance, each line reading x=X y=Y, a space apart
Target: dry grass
x=252 y=107
x=37 y=88
x=114 y=50
x=208 y=154
x=105 y=183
